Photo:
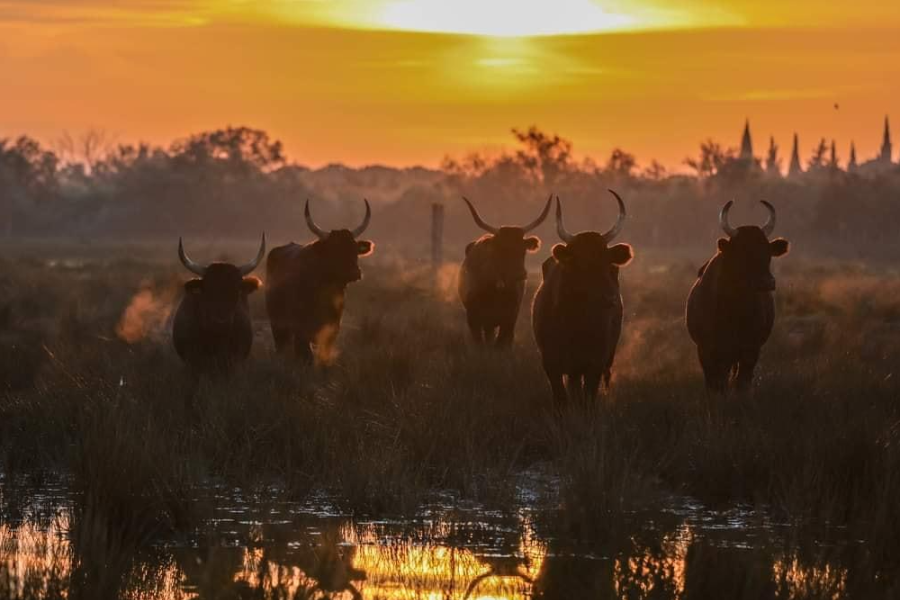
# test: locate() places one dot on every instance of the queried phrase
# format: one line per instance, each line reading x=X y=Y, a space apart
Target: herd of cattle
x=576 y=316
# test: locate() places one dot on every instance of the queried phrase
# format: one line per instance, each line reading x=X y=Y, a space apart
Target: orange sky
x=374 y=81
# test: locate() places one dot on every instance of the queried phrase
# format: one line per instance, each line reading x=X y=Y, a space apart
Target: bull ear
x=621 y=254
x=250 y=284
x=469 y=247
x=723 y=244
x=779 y=247
x=365 y=247
x=532 y=244
x=194 y=286
x=561 y=253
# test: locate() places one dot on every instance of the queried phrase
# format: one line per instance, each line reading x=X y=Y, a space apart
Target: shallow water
x=250 y=547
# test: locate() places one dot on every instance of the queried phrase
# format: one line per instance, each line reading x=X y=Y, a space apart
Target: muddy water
x=250 y=547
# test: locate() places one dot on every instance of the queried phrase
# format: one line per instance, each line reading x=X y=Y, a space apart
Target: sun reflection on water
x=337 y=558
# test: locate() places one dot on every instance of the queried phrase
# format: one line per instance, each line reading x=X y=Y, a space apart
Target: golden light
x=504 y=18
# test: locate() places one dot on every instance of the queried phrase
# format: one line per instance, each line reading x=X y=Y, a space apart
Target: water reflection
x=288 y=552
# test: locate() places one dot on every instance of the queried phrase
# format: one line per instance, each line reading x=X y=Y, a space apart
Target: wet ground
x=249 y=546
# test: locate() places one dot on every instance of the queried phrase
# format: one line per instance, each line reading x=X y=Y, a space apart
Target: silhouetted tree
x=712 y=158
x=817 y=160
x=621 y=165
x=548 y=157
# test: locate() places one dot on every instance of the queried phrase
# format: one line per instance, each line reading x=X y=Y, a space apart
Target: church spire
x=747 y=143
x=852 y=166
x=887 y=149
x=796 y=168
x=833 y=161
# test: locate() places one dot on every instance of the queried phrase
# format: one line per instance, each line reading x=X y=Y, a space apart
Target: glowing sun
x=503 y=18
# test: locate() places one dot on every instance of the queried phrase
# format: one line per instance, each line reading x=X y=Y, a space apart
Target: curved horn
x=543 y=216
x=250 y=266
x=320 y=233
x=769 y=227
x=564 y=234
x=365 y=224
x=620 y=222
x=723 y=219
x=478 y=220
x=195 y=268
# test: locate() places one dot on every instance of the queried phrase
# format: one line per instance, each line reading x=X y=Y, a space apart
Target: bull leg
x=607 y=378
x=715 y=371
x=506 y=336
x=475 y=328
x=557 y=386
x=302 y=350
x=284 y=339
x=591 y=386
x=489 y=333
x=746 y=366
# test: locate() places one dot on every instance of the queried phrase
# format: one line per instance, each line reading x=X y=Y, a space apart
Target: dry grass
x=410 y=407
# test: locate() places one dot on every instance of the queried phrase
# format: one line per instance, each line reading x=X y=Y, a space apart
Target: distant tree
x=472 y=165
x=655 y=172
x=712 y=158
x=621 y=164
x=547 y=157
x=26 y=164
x=237 y=148
x=818 y=158
x=87 y=149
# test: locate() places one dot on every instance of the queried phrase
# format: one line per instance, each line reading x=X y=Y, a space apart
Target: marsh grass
x=411 y=407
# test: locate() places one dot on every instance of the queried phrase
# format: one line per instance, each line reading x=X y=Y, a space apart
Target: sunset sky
x=404 y=82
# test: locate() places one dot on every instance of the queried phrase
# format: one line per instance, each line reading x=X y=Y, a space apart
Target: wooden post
x=437 y=235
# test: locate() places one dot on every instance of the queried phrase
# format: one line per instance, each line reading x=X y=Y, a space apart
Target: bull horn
x=564 y=234
x=320 y=233
x=478 y=220
x=541 y=218
x=365 y=224
x=195 y=268
x=769 y=227
x=251 y=266
x=620 y=222
x=723 y=219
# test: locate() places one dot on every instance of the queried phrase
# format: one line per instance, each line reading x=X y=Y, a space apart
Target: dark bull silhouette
x=306 y=287
x=492 y=278
x=212 y=327
x=577 y=311
x=731 y=308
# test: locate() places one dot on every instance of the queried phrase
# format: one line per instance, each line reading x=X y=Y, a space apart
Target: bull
x=212 y=329
x=577 y=312
x=306 y=288
x=731 y=308
x=492 y=278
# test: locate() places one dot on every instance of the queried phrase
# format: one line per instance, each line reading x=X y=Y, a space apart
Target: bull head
x=340 y=250
x=221 y=288
x=495 y=230
x=322 y=234
x=609 y=236
x=200 y=270
x=767 y=229
x=748 y=253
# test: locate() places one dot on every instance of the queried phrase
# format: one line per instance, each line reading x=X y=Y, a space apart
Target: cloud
x=144 y=12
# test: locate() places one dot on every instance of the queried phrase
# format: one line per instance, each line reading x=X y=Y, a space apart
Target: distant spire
x=796 y=168
x=747 y=143
x=773 y=162
x=887 y=149
x=833 y=162
x=851 y=165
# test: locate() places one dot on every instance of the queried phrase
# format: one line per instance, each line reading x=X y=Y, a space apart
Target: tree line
x=237 y=181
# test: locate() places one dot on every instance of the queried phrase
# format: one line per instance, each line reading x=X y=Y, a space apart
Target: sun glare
x=504 y=18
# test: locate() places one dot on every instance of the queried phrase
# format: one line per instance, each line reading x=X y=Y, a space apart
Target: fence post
x=437 y=236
